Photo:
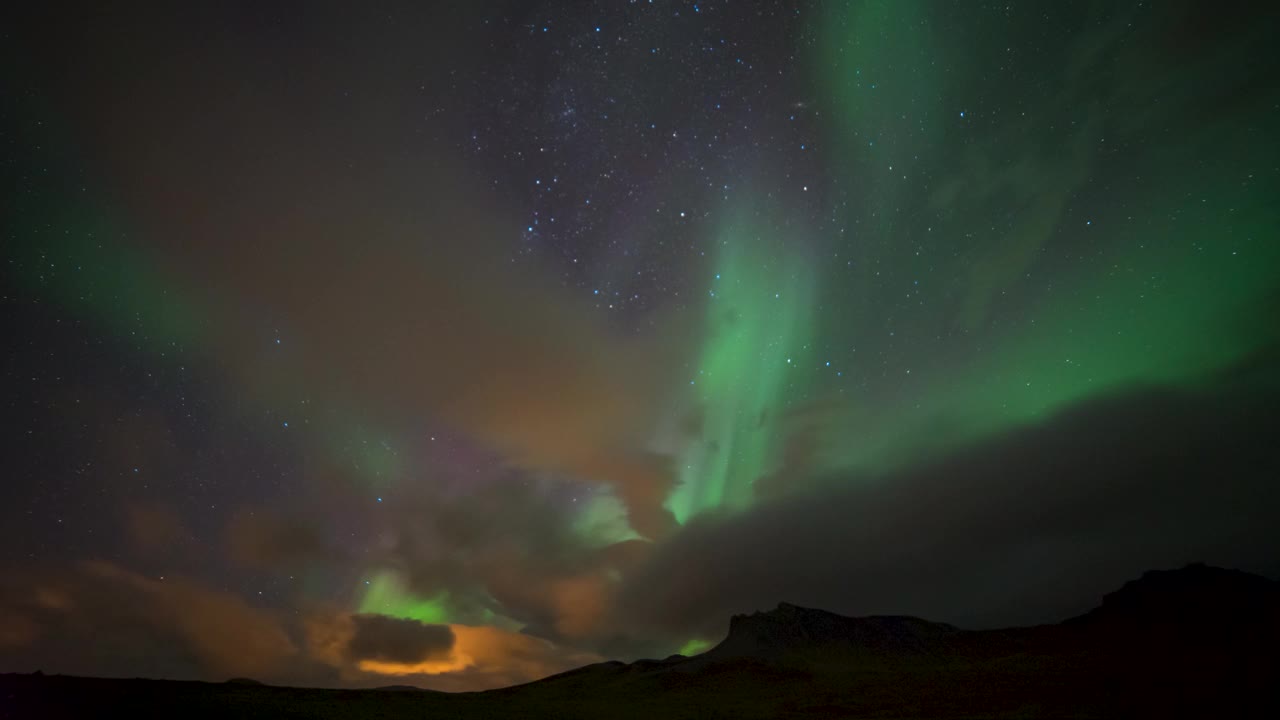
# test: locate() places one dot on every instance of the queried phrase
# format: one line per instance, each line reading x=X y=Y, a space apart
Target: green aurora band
x=385 y=595
x=999 y=296
x=985 y=292
x=998 y=279
x=759 y=323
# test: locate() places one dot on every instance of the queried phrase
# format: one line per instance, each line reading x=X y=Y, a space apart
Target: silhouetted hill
x=1196 y=641
x=1194 y=595
x=1193 y=642
x=400 y=688
x=790 y=630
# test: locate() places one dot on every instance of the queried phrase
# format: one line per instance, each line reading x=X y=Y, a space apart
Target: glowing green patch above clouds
x=385 y=594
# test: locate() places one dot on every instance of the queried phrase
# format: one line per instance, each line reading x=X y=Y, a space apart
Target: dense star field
x=457 y=346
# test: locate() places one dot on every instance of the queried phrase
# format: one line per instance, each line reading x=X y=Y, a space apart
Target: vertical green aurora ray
x=758 y=332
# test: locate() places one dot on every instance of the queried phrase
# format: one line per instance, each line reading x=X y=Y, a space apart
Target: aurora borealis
x=753 y=344
x=465 y=346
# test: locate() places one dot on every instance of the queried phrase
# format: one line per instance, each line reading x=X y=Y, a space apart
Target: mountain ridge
x=1192 y=642
x=790 y=635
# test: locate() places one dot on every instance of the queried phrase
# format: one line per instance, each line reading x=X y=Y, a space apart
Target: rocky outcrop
x=790 y=629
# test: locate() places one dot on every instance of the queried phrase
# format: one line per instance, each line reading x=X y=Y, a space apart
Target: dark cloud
x=397 y=640
x=442 y=541
x=510 y=547
x=1029 y=527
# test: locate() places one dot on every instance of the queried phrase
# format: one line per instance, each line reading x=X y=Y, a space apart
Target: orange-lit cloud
x=95 y=612
x=485 y=656
x=227 y=634
x=480 y=657
x=17 y=631
x=79 y=619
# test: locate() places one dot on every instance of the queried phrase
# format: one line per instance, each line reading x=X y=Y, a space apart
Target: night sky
x=459 y=346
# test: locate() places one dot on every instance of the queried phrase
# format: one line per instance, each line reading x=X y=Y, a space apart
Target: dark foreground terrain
x=1195 y=642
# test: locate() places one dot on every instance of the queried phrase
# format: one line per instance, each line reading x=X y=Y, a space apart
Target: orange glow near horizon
x=456 y=661
x=483 y=647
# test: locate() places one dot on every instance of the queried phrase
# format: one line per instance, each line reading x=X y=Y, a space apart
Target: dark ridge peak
x=789 y=628
x=784 y=612
x=653 y=664
x=1195 y=593
x=400 y=688
x=788 y=614
x=604 y=667
x=1195 y=576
